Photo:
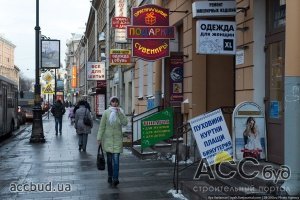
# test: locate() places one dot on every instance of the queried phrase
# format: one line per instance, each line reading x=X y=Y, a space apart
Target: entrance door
x=275 y=97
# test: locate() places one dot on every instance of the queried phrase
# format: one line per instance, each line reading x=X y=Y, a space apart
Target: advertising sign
x=120 y=11
x=215 y=37
x=157 y=127
x=60 y=86
x=74 y=77
x=50 y=55
x=95 y=71
x=212 y=137
x=150 y=32
x=100 y=104
x=176 y=78
x=213 y=9
x=120 y=22
x=120 y=57
x=249 y=136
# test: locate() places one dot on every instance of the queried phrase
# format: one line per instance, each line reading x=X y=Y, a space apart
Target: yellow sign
x=48 y=89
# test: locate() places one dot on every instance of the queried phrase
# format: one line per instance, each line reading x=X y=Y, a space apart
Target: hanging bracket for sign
x=179 y=11
x=243 y=9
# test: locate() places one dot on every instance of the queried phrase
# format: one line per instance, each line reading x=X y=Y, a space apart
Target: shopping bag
x=100 y=159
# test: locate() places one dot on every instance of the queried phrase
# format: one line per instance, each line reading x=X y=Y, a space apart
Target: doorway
x=275 y=65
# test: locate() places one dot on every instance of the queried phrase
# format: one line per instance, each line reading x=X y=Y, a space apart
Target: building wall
x=7 y=60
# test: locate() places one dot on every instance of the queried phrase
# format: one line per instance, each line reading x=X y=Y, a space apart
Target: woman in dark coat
x=81 y=129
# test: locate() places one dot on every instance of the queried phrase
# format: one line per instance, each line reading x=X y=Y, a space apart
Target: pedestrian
x=81 y=129
x=58 y=110
x=110 y=136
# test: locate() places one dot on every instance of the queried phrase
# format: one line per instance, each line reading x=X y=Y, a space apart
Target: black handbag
x=100 y=159
x=86 y=119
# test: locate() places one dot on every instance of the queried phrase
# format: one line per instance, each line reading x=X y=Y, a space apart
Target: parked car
x=21 y=115
x=28 y=113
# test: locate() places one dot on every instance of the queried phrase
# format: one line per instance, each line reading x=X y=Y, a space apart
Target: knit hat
x=114 y=97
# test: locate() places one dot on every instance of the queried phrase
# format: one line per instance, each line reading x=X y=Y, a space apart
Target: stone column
x=292 y=97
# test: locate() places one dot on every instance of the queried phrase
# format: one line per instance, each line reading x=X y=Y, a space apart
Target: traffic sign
x=48 y=89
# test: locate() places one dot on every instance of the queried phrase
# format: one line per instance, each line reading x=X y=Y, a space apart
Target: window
x=277 y=13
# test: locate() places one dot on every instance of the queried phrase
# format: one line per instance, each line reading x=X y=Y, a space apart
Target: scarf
x=113 y=115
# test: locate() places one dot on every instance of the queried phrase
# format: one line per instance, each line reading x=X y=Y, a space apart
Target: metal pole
x=37 y=134
x=55 y=82
x=85 y=67
x=107 y=49
x=96 y=33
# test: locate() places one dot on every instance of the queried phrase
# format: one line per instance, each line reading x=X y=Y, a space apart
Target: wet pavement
x=57 y=170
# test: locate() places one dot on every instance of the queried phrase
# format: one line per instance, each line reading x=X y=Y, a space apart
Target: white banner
x=215 y=37
x=212 y=137
x=95 y=71
x=100 y=104
x=120 y=11
x=213 y=8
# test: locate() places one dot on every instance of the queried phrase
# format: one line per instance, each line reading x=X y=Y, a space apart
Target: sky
x=57 y=20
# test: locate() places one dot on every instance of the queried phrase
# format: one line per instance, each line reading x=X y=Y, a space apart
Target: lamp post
x=37 y=134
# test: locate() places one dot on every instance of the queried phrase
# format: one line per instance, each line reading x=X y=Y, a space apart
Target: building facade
x=7 y=60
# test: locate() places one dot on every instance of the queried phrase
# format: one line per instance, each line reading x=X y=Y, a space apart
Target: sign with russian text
x=213 y=8
x=120 y=57
x=212 y=137
x=120 y=22
x=95 y=71
x=157 y=127
x=120 y=11
x=215 y=37
x=150 y=32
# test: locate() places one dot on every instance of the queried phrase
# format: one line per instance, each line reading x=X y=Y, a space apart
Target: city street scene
x=151 y=99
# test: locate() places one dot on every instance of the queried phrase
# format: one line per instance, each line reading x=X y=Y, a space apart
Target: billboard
x=50 y=54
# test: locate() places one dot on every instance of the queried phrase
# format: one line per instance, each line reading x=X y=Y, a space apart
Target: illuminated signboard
x=150 y=32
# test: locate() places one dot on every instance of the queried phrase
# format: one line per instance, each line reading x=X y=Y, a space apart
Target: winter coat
x=80 y=127
x=111 y=135
x=58 y=110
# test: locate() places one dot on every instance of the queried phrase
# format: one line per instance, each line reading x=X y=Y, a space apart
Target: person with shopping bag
x=110 y=136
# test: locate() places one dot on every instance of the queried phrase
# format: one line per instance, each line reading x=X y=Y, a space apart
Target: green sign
x=157 y=127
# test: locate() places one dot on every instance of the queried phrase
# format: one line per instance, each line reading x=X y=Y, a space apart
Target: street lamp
x=37 y=134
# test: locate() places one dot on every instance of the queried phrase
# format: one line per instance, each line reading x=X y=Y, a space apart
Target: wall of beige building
x=7 y=60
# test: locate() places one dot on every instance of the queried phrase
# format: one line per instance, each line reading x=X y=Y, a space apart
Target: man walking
x=58 y=110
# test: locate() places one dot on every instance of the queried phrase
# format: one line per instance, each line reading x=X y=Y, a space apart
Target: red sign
x=150 y=15
x=150 y=49
x=120 y=22
x=153 y=32
x=120 y=57
x=150 y=32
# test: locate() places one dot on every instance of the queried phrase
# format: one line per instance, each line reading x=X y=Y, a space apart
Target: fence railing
x=136 y=124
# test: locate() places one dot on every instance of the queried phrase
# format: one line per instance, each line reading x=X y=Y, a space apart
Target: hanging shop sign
x=50 y=54
x=157 y=127
x=249 y=132
x=120 y=22
x=213 y=8
x=120 y=11
x=74 y=77
x=212 y=137
x=176 y=78
x=95 y=71
x=120 y=57
x=150 y=32
x=215 y=37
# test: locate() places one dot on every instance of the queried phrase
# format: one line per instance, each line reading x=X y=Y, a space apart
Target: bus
x=8 y=106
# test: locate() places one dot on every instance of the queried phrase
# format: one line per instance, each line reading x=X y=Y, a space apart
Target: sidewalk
x=57 y=170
